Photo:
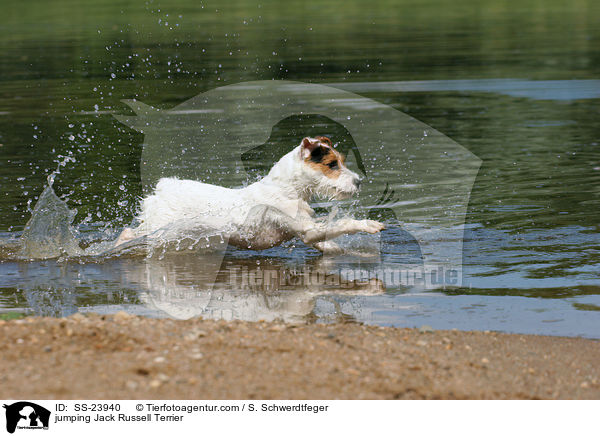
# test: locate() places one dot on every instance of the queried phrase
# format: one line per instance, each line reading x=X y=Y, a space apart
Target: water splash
x=49 y=232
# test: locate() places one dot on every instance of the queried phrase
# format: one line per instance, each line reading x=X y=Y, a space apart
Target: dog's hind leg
x=125 y=236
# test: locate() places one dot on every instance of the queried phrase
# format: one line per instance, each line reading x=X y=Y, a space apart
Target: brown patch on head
x=324 y=158
x=324 y=139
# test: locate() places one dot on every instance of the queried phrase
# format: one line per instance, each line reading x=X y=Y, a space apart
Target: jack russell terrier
x=266 y=213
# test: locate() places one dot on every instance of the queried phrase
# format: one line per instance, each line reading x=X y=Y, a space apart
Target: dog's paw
x=371 y=226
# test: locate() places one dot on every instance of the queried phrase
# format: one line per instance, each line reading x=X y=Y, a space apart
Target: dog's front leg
x=313 y=232
x=328 y=247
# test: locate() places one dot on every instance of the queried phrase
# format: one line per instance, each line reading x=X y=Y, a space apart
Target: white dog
x=266 y=213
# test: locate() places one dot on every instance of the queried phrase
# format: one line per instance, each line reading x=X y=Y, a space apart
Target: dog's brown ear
x=308 y=145
x=325 y=140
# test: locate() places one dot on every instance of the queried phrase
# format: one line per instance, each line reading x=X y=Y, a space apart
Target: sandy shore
x=129 y=357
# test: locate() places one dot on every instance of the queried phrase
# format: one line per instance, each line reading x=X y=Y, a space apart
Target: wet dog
x=266 y=213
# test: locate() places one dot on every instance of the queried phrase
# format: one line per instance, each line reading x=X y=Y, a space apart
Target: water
x=516 y=85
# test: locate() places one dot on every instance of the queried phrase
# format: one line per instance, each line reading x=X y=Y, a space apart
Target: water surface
x=515 y=84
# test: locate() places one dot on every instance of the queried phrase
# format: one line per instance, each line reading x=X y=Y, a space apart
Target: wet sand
x=129 y=357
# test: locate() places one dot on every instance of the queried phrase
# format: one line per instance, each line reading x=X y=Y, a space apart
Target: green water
x=532 y=238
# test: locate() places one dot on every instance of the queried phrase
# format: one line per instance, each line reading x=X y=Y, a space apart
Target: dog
x=266 y=213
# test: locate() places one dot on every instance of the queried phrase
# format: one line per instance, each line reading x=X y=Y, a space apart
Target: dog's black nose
x=357 y=182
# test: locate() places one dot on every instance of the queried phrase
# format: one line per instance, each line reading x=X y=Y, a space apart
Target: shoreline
x=124 y=356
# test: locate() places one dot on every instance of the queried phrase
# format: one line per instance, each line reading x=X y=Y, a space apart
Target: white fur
x=261 y=215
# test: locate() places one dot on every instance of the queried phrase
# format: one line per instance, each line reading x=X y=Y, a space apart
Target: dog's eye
x=333 y=164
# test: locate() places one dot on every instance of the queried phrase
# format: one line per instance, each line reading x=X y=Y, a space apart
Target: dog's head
x=325 y=169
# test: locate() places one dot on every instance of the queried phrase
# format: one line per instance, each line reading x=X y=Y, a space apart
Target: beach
x=123 y=356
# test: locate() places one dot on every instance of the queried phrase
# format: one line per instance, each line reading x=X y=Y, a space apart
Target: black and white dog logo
x=26 y=415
